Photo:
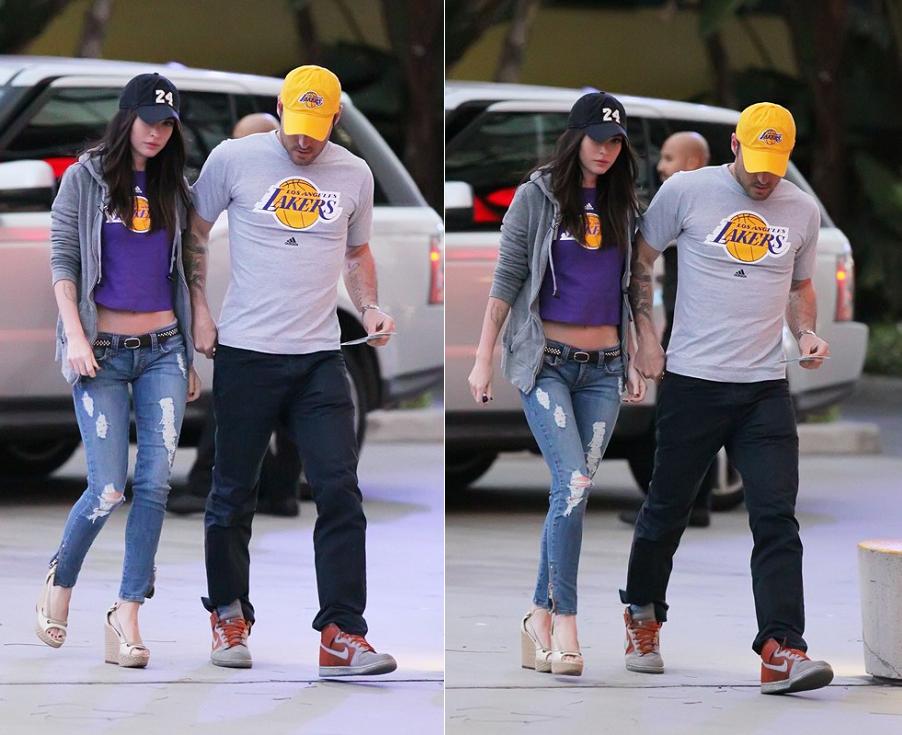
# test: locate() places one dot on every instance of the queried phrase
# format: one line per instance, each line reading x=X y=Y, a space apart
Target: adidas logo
x=740 y=274
x=291 y=241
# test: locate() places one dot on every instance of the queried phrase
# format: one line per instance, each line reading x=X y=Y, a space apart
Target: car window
x=63 y=121
x=495 y=151
x=718 y=137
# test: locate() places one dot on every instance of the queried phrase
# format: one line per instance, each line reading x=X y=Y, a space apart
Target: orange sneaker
x=230 y=642
x=643 y=645
x=787 y=670
x=346 y=654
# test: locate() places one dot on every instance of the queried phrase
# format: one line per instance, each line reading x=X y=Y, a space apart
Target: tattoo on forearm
x=640 y=290
x=194 y=258
x=498 y=313
x=360 y=282
x=69 y=292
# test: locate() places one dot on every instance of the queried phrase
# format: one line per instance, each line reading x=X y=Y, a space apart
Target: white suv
x=50 y=108
x=495 y=134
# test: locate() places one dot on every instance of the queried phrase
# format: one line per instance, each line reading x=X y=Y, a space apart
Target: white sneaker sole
x=814 y=678
x=376 y=667
x=641 y=667
x=232 y=663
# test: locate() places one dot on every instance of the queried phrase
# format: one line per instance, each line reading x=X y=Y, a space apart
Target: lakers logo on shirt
x=748 y=238
x=298 y=204
x=141 y=215
x=593 y=232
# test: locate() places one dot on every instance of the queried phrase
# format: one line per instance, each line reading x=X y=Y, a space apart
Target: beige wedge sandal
x=566 y=663
x=117 y=650
x=533 y=654
x=44 y=622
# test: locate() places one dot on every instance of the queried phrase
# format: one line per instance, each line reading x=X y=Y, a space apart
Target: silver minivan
x=495 y=134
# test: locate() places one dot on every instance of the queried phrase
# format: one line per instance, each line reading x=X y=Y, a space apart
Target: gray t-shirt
x=289 y=228
x=737 y=258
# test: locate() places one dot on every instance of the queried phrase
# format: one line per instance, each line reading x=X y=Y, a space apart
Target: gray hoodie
x=76 y=221
x=527 y=231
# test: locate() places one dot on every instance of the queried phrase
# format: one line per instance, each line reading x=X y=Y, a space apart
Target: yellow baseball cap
x=767 y=134
x=311 y=96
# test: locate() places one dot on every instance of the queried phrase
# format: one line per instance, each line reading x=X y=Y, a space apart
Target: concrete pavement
x=711 y=683
x=71 y=690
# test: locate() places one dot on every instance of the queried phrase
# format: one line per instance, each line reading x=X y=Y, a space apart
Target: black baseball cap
x=600 y=115
x=153 y=96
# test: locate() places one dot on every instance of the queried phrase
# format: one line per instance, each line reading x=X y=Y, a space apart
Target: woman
x=565 y=244
x=124 y=323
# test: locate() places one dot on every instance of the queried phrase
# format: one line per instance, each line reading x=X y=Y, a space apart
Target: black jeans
x=251 y=392
x=756 y=423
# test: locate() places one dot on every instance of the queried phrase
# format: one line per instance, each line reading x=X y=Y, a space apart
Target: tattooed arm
x=650 y=355
x=801 y=316
x=79 y=354
x=360 y=280
x=194 y=258
x=480 y=379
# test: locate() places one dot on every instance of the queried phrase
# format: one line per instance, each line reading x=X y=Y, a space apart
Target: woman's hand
x=204 y=333
x=480 y=381
x=194 y=385
x=81 y=358
x=635 y=386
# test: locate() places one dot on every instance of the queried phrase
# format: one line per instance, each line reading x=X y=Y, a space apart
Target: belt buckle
x=135 y=346
x=580 y=356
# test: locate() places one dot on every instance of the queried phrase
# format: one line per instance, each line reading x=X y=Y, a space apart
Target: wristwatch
x=364 y=308
x=805 y=331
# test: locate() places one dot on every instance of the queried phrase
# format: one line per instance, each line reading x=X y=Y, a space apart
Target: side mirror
x=458 y=205
x=26 y=186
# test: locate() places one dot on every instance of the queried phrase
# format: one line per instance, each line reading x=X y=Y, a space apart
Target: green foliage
x=885 y=350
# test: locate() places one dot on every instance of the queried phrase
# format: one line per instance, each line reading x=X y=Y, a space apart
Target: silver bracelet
x=364 y=308
x=805 y=331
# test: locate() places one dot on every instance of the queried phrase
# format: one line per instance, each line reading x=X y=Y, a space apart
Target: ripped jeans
x=571 y=411
x=159 y=384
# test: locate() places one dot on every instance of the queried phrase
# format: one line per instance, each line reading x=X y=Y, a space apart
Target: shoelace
x=358 y=640
x=791 y=653
x=233 y=631
x=646 y=635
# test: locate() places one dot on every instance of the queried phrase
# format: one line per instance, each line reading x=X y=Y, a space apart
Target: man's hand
x=374 y=321
x=811 y=344
x=193 y=385
x=203 y=329
x=649 y=359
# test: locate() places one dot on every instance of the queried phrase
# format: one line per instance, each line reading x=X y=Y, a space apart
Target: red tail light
x=845 y=288
x=436 y=270
x=492 y=206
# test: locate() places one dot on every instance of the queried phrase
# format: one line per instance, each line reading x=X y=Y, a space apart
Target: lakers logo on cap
x=748 y=238
x=593 y=232
x=298 y=204
x=311 y=99
x=771 y=137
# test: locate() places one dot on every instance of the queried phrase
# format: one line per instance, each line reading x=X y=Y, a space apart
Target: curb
x=419 y=425
x=839 y=437
x=426 y=425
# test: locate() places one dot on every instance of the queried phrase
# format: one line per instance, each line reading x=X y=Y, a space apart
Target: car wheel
x=726 y=493
x=464 y=468
x=35 y=457
x=357 y=387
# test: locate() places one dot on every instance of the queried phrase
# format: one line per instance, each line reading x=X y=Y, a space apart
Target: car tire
x=726 y=494
x=35 y=457
x=464 y=468
x=357 y=386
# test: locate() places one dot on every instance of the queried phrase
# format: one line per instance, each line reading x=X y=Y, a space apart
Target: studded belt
x=140 y=340
x=584 y=356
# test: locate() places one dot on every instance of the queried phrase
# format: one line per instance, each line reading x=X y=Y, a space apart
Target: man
x=682 y=151
x=300 y=211
x=746 y=241
x=277 y=492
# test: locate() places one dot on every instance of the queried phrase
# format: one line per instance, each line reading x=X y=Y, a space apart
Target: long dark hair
x=615 y=196
x=165 y=173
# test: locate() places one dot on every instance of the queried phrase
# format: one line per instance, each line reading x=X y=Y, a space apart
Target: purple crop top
x=582 y=284
x=135 y=263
